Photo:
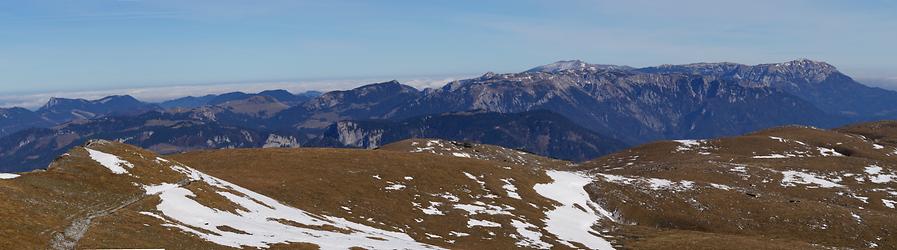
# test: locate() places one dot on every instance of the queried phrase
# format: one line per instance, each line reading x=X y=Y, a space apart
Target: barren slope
x=793 y=184
x=111 y=195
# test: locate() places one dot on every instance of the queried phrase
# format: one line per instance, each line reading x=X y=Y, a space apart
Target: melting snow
x=448 y=196
x=112 y=162
x=481 y=223
x=7 y=176
x=474 y=178
x=395 y=186
x=873 y=169
x=828 y=152
x=889 y=203
x=155 y=189
x=876 y=146
x=264 y=221
x=876 y=176
x=794 y=177
x=783 y=140
x=651 y=183
x=482 y=208
x=657 y=184
x=531 y=239
x=773 y=156
x=687 y=144
x=740 y=169
x=433 y=209
x=720 y=186
x=458 y=234
x=511 y=189
x=573 y=220
x=463 y=155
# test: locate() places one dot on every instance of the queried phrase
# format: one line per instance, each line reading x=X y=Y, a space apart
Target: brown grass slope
x=791 y=185
x=883 y=132
x=78 y=203
x=353 y=184
x=476 y=151
x=49 y=209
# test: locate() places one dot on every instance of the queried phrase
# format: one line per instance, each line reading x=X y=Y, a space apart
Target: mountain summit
x=574 y=65
x=61 y=110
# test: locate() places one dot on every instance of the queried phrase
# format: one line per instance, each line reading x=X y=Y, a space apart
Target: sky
x=92 y=46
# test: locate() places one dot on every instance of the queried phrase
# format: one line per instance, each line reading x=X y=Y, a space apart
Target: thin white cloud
x=163 y=93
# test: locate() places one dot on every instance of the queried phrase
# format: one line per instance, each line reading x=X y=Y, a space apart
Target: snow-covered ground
x=792 y=177
x=7 y=176
x=573 y=220
x=112 y=162
x=261 y=221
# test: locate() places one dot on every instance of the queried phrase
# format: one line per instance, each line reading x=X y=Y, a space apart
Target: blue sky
x=65 y=45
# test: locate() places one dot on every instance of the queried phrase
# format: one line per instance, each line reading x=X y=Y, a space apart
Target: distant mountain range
x=282 y=96
x=541 y=132
x=60 y=110
x=571 y=110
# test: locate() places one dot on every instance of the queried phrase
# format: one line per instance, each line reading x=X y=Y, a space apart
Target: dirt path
x=69 y=238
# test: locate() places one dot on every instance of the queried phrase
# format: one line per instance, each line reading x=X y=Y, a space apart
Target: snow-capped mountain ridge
x=575 y=65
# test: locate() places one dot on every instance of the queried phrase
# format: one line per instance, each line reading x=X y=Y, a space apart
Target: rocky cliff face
x=541 y=132
x=817 y=82
x=277 y=141
x=632 y=106
x=351 y=134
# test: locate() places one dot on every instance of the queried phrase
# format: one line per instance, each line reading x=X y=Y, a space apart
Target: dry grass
x=326 y=180
x=757 y=205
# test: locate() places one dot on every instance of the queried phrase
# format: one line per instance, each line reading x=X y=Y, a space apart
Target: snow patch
x=572 y=221
x=687 y=144
x=462 y=155
x=448 y=196
x=112 y=162
x=529 y=238
x=720 y=186
x=433 y=209
x=876 y=176
x=481 y=223
x=395 y=186
x=511 y=189
x=650 y=183
x=482 y=208
x=774 y=156
x=889 y=203
x=790 y=178
x=263 y=221
x=7 y=176
x=156 y=189
x=828 y=152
